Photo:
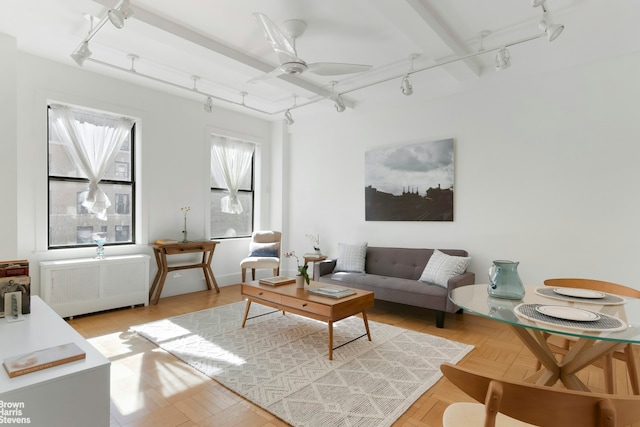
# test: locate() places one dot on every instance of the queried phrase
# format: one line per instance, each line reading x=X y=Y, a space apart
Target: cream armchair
x=264 y=252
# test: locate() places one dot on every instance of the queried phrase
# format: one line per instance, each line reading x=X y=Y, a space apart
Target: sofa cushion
x=441 y=267
x=263 y=249
x=351 y=257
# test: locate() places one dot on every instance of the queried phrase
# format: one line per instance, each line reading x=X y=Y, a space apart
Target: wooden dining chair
x=518 y=404
x=627 y=354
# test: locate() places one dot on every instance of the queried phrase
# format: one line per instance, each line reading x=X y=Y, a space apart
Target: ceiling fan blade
x=336 y=68
x=281 y=44
x=274 y=73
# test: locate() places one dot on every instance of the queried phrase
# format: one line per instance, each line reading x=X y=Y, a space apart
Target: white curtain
x=233 y=158
x=92 y=142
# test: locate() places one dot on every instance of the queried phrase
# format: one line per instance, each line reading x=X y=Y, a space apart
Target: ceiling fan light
x=288 y=119
x=340 y=107
x=82 y=53
x=503 y=59
x=208 y=105
x=406 y=86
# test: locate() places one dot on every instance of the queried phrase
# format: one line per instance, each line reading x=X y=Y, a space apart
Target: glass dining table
x=600 y=323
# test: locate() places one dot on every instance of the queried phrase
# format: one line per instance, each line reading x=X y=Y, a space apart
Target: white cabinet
x=71 y=394
x=79 y=286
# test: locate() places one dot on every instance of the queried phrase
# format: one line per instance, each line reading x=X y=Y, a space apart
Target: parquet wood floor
x=150 y=387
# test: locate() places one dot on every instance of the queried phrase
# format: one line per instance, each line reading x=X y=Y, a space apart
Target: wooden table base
x=582 y=353
x=161 y=252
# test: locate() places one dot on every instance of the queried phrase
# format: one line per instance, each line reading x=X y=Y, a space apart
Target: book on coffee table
x=277 y=281
x=42 y=359
x=332 y=292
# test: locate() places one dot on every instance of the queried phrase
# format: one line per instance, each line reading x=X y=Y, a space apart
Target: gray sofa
x=392 y=275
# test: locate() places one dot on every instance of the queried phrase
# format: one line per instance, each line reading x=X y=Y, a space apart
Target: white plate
x=578 y=293
x=567 y=313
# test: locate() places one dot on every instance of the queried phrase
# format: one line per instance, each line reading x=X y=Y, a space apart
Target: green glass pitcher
x=504 y=281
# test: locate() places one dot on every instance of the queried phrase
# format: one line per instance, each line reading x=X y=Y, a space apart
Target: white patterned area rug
x=280 y=363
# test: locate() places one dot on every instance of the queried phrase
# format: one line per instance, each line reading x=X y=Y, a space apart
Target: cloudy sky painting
x=418 y=166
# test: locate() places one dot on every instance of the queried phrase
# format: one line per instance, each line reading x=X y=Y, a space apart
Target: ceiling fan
x=283 y=43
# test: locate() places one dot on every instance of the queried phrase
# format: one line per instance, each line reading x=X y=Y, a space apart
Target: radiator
x=80 y=286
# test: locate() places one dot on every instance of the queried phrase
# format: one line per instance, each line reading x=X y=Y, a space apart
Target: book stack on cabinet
x=15 y=288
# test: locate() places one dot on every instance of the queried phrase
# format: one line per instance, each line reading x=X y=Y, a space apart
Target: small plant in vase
x=185 y=210
x=302 y=269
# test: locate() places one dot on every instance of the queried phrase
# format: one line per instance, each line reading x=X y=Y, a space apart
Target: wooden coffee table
x=290 y=299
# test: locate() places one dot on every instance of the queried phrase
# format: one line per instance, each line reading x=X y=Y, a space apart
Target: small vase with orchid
x=185 y=210
x=302 y=269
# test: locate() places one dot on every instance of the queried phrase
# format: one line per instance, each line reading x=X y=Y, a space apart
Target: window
x=236 y=156
x=71 y=223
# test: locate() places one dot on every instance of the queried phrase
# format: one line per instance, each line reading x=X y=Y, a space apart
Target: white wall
x=8 y=147
x=173 y=161
x=546 y=174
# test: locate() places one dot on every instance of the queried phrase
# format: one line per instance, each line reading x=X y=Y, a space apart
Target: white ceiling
x=220 y=41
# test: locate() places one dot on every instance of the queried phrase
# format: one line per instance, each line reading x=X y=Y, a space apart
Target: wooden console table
x=161 y=251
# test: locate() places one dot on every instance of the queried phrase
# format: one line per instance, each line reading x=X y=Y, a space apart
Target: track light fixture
x=81 y=53
x=546 y=23
x=503 y=59
x=406 y=87
x=117 y=16
x=288 y=119
x=208 y=105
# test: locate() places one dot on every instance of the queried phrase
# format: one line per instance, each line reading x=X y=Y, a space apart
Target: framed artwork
x=410 y=182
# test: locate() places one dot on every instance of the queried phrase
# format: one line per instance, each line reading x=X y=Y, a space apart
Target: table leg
x=156 y=279
x=204 y=269
x=366 y=324
x=208 y=272
x=583 y=352
x=330 y=323
x=246 y=312
x=163 y=276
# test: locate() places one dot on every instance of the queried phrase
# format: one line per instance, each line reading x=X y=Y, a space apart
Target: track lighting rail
x=82 y=54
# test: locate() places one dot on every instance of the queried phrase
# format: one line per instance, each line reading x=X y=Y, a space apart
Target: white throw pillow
x=351 y=258
x=441 y=267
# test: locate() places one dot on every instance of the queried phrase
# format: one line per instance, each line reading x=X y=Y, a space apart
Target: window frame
x=130 y=147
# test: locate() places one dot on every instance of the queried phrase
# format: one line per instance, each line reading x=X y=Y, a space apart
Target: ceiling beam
x=410 y=17
x=430 y=17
